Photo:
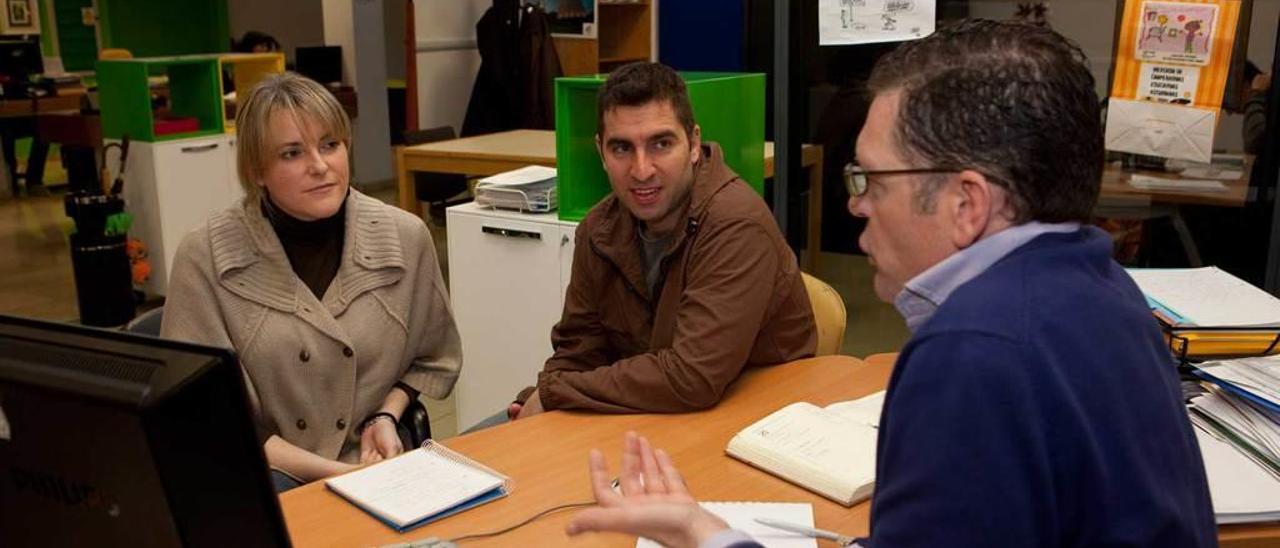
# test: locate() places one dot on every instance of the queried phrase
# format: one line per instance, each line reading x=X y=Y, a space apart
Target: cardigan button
x=341 y=424
x=304 y=356
x=347 y=351
x=302 y=425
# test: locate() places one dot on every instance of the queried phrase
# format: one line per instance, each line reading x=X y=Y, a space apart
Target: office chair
x=147 y=323
x=829 y=315
x=436 y=188
x=414 y=426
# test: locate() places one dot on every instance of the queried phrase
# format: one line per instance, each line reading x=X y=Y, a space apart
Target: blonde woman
x=332 y=300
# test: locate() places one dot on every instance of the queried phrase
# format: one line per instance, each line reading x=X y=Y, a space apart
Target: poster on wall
x=1172 y=63
x=571 y=18
x=19 y=17
x=846 y=22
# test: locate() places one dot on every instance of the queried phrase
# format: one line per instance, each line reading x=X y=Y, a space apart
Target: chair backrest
x=829 y=315
x=115 y=53
x=435 y=187
x=147 y=323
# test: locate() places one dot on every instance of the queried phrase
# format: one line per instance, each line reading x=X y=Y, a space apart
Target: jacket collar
x=615 y=236
x=249 y=260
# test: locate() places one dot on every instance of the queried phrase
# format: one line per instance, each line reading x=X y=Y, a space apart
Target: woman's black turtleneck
x=314 y=248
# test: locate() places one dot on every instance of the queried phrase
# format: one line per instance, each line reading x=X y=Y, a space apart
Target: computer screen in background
x=110 y=439
x=320 y=63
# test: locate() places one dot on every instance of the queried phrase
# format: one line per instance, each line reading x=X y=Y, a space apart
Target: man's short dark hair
x=639 y=84
x=1010 y=100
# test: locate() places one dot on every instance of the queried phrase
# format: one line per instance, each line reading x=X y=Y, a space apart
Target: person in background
x=333 y=301
x=1035 y=403
x=681 y=278
x=1255 y=108
x=256 y=42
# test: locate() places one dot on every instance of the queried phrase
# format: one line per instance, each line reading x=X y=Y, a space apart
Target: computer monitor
x=19 y=61
x=112 y=439
x=320 y=63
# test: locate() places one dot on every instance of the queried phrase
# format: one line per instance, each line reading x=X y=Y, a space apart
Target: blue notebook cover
x=1238 y=391
x=387 y=491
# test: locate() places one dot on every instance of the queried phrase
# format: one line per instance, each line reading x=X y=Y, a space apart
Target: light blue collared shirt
x=923 y=294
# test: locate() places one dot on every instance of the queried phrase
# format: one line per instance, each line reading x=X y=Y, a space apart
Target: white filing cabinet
x=507 y=274
x=171 y=187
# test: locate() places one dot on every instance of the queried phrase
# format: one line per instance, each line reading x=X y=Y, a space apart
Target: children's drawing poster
x=1175 y=51
x=1175 y=32
x=1171 y=68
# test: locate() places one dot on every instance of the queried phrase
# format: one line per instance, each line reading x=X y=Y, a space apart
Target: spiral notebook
x=420 y=486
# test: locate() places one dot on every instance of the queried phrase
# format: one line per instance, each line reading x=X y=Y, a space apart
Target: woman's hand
x=379 y=440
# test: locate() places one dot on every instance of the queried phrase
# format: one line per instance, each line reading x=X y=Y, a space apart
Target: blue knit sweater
x=1040 y=407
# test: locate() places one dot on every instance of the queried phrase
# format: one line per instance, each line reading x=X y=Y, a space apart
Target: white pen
x=807 y=531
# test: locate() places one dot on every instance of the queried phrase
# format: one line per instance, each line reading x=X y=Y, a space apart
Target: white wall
x=1091 y=23
x=293 y=23
x=445 y=78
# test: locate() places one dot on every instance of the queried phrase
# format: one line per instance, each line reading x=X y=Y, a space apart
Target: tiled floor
x=36 y=281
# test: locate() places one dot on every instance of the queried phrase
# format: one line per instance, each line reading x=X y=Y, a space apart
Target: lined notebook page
x=742 y=516
x=1208 y=296
x=414 y=485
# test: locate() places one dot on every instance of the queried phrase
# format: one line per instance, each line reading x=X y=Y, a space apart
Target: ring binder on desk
x=1190 y=343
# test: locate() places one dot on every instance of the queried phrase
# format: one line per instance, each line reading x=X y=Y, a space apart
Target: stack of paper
x=1240 y=413
x=1207 y=296
x=530 y=188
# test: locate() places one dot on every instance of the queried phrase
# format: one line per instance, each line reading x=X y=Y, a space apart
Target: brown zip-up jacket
x=730 y=297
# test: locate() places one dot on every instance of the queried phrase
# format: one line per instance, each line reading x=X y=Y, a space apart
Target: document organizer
x=1194 y=343
x=542 y=200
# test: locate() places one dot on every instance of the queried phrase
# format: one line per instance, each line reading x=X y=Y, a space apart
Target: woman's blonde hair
x=299 y=95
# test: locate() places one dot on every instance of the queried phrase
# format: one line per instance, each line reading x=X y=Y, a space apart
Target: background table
x=485 y=155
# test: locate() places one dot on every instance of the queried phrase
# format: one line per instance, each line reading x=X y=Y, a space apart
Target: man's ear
x=695 y=142
x=975 y=206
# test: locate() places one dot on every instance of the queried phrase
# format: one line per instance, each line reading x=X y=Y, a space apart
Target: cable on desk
x=551 y=510
x=436 y=542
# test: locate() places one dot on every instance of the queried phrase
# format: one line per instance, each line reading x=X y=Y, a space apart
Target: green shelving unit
x=729 y=107
x=124 y=93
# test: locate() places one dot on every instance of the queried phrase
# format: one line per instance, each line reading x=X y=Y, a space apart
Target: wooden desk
x=31 y=106
x=484 y=155
x=1115 y=186
x=1229 y=536
x=546 y=455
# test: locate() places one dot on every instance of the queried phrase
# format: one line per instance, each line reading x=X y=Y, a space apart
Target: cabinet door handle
x=201 y=148
x=511 y=232
x=564 y=240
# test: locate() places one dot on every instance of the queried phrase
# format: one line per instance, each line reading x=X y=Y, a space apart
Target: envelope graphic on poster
x=1159 y=129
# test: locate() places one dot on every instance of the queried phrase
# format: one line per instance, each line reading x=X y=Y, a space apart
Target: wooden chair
x=829 y=315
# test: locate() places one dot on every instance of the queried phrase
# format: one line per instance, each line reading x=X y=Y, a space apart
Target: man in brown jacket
x=681 y=277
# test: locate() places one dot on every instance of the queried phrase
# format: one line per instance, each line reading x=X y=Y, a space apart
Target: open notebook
x=830 y=451
x=420 y=486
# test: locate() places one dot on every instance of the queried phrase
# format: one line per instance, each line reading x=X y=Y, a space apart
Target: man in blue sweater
x=1035 y=403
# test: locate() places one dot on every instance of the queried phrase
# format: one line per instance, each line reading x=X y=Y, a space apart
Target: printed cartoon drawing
x=1157 y=31
x=890 y=23
x=1176 y=32
x=1193 y=30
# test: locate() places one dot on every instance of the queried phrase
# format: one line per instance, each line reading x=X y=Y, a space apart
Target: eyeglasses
x=855 y=178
